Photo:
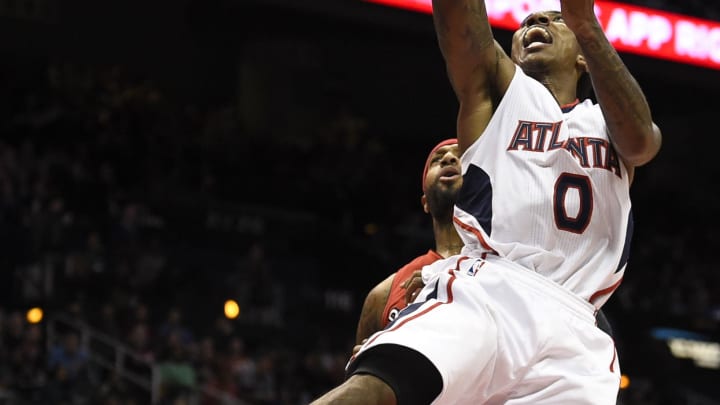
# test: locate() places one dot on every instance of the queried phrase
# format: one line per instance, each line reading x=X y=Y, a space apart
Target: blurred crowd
x=104 y=191
x=137 y=213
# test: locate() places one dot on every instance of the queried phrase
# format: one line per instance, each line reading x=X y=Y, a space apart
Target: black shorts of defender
x=410 y=374
x=603 y=323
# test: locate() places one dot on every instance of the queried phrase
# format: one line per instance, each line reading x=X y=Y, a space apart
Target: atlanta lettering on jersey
x=543 y=137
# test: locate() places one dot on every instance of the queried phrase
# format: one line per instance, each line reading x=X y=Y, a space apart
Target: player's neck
x=564 y=90
x=447 y=240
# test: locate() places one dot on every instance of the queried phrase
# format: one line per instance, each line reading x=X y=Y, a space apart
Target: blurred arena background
x=196 y=195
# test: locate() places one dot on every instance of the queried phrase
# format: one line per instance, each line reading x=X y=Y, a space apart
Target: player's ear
x=581 y=64
x=423 y=201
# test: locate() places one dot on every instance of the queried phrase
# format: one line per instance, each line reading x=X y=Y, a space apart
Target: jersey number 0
x=565 y=222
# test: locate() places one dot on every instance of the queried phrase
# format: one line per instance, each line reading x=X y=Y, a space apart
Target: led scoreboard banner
x=632 y=29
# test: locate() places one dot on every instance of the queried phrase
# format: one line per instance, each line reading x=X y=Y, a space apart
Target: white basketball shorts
x=501 y=334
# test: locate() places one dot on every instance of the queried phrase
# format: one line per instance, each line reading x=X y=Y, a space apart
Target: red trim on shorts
x=606 y=291
x=475 y=232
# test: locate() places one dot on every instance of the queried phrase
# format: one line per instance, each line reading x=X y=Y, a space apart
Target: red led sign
x=631 y=29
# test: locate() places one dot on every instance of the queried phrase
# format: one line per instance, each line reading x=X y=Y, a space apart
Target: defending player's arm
x=371 y=314
x=478 y=68
x=627 y=114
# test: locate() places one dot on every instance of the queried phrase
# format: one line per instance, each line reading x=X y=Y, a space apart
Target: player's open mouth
x=453 y=177
x=449 y=173
x=536 y=36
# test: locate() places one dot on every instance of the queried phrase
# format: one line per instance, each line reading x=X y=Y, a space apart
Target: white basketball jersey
x=544 y=188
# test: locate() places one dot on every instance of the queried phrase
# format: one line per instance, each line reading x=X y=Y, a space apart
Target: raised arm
x=627 y=114
x=478 y=68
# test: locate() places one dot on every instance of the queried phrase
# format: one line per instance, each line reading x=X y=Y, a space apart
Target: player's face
x=444 y=172
x=542 y=40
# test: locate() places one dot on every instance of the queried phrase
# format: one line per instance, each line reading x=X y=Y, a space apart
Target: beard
x=441 y=201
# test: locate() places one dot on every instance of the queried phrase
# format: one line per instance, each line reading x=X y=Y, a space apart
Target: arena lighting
x=232 y=309
x=690 y=345
x=34 y=315
x=624 y=382
x=639 y=30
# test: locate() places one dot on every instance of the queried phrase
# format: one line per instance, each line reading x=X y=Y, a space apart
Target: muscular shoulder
x=386 y=294
x=380 y=292
x=372 y=310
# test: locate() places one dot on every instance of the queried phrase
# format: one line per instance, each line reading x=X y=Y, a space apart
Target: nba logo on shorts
x=475 y=267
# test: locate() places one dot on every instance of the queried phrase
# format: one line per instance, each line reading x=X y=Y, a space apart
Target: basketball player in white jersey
x=545 y=215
